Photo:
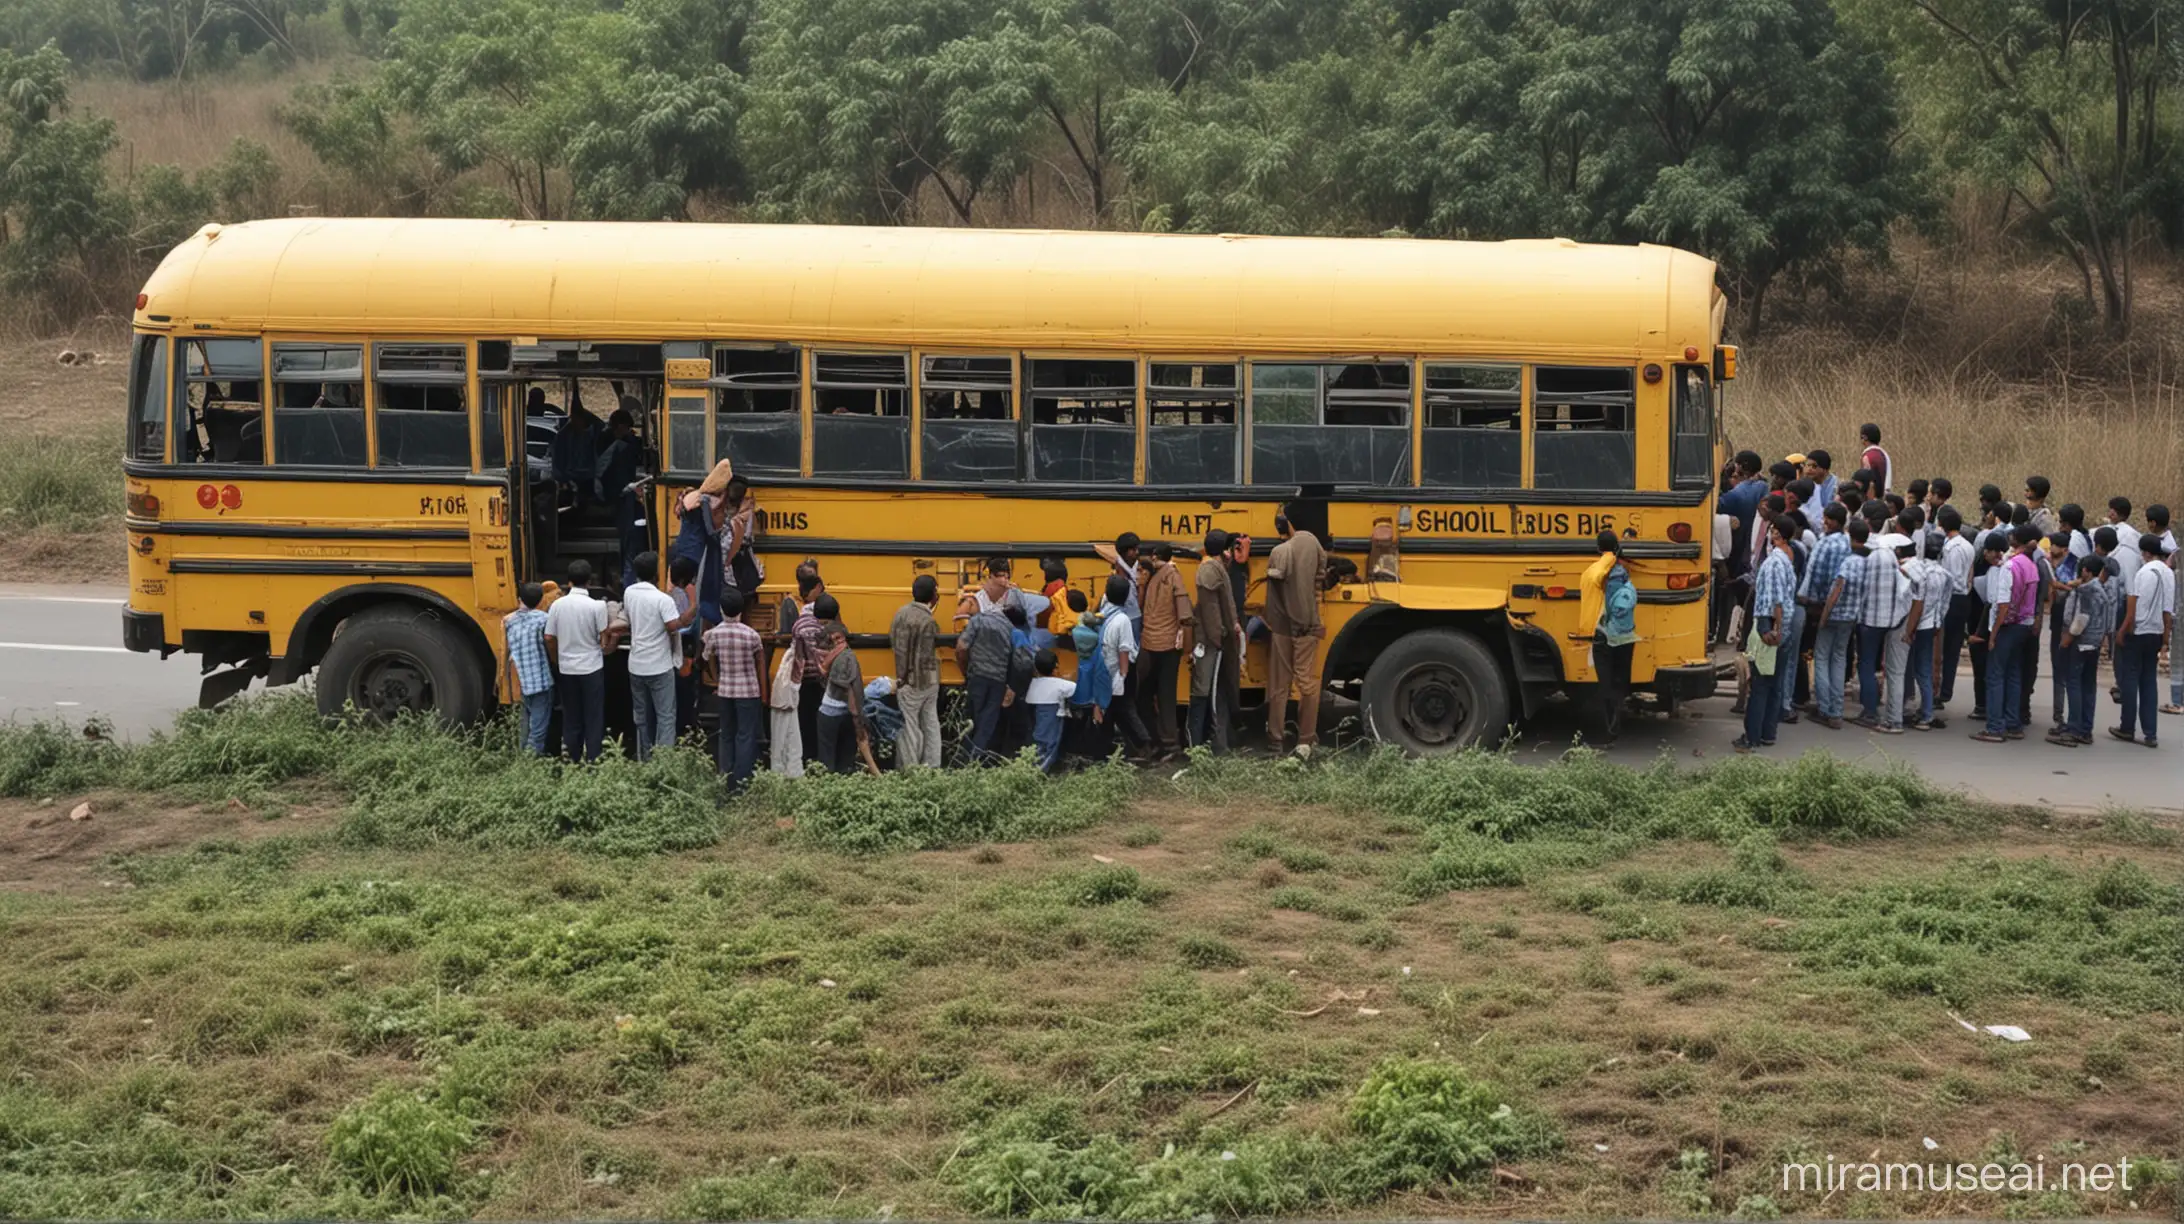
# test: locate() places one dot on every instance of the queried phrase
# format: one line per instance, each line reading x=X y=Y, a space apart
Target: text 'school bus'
x=340 y=430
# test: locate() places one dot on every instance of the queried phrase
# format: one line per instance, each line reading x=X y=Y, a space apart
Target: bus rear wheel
x=386 y=662
x=1436 y=691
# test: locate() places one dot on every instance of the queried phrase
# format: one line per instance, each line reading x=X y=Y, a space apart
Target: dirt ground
x=84 y=404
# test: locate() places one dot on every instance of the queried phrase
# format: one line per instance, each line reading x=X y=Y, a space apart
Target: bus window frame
x=1407 y=426
x=812 y=416
x=1703 y=478
x=272 y=395
x=1240 y=394
x=1522 y=370
x=1633 y=432
x=1019 y=439
x=467 y=382
x=144 y=379
x=1028 y=394
x=799 y=387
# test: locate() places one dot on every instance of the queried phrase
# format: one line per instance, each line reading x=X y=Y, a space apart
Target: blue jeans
x=538 y=710
x=1830 y=656
x=1872 y=644
x=985 y=694
x=1786 y=673
x=2142 y=686
x=1921 y=668
x=652 y=707
x=736 y=752
x=2006 y=678
x=1046 y=733
x=1762 y=708
x=2080 y=678
x=583 y=715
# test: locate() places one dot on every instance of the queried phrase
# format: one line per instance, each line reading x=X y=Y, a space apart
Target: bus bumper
x=1678 y=684
x=144 y=632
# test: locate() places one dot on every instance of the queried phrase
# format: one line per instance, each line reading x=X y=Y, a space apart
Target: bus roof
x=965 y=288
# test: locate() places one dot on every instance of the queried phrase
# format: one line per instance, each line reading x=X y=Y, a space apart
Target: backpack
x=1095 y=687
x=1621 y=612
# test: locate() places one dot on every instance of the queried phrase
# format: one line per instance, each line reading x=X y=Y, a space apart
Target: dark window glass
x=492 y=441
x=318 y=405
x=758 y=422
x=1474 y=427
x=221 y=415
x=860 y=425
x=1691 y=456
x=686 y=446
x=1191 y=413
x=1083 y=420
x=424 y=419
x=1331 y=424
x=148 y=399
x=969 y=432
x=1582 y=427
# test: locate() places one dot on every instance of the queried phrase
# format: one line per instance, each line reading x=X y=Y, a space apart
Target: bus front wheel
x=385 y=662
x=1435 y=691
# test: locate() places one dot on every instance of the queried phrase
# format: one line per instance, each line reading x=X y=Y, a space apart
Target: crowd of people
x=1834 y=588
x=1044 y=667
x=1837 y=587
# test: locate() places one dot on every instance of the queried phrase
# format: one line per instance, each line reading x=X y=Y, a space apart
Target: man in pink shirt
x=2015 y=585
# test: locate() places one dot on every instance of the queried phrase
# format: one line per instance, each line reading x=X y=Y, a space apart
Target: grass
x=422 y=976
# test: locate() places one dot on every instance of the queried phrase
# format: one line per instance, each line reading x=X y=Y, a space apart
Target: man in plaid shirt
x=738 y=658
x=525 y=632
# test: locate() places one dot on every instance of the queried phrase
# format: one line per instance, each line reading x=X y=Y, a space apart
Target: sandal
x=1988 y=737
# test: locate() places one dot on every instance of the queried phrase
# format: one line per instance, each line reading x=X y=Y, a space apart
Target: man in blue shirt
x=1741 y=503
x=1774 y=593
x=525 y=632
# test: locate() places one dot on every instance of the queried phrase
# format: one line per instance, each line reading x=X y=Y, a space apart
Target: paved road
x=61 y=656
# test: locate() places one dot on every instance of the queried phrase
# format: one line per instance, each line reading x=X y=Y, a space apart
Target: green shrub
x=1425 y=1123
x=70 y=484
x=926 y=809
x=1206 y=952
x=42 y=760
x=393 y=1143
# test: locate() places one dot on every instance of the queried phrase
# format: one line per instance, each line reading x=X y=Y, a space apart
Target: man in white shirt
x=654 y=620
x=2145 y=625
x=1957 y=555
x=576 y=630
x=1119 y=647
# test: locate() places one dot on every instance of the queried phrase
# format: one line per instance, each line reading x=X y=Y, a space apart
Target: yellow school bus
x=338 y=430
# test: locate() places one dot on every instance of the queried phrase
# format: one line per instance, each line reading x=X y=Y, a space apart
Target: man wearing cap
x=1880 y=638
x=2145 y=625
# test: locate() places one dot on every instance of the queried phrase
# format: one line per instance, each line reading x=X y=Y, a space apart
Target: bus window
x=1583 y=435
x=221 y=416
x=969 y=429
x=1474 y=436
x=424 y=421
x=1083 y=421
x=757 y=421
x=860 y=423
x=1331 y=424
x=148 y=400
x=1691 y=455
x=493 y=367
x=318 y=405
x=1190 y=433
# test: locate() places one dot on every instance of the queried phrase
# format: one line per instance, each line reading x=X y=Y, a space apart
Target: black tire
x=1434 y=691
x=388 y=660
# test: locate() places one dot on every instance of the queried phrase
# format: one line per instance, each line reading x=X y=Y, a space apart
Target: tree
x=2057 y=103
x=62 y=224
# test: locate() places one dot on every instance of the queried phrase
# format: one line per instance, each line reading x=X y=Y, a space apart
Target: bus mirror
x=1725 y=363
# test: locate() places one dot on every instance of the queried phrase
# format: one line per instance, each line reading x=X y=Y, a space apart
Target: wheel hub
x=1434 y=703
x=388 y=684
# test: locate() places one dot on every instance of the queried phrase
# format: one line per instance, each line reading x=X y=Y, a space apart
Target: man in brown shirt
x=1219 y=650
x=1165 y=639
x=1293 y=617
x=915 y=636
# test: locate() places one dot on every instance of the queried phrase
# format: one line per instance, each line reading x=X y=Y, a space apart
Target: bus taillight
x=1680 y=532
x=143 y=504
